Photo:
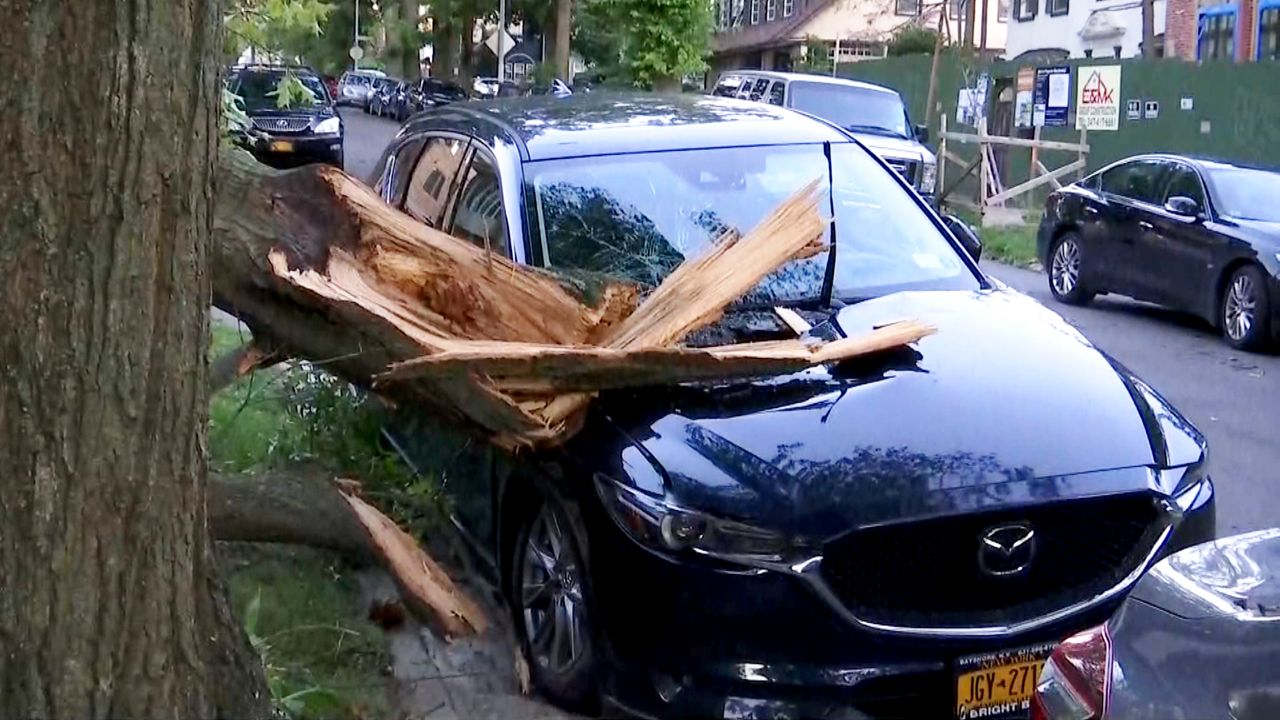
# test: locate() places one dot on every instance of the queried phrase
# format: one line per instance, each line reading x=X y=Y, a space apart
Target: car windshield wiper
x=874 y=129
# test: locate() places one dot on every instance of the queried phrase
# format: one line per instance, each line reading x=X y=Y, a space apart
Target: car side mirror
x=966 y=234
x=1182 y=206
x=922 y=134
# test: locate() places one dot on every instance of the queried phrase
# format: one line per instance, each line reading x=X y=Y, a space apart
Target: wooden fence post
x=942 y=158
x=1084 y=137
x=982 y=167
x=1035 y=154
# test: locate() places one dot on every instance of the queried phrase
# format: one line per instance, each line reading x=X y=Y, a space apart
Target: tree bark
x=970 y=22
x=1148 y=28
x=299 y=506
x=564 y=30
x=409 y=14
x=110 y=605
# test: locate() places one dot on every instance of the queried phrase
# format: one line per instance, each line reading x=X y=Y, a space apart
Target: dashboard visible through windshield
x=638 y=216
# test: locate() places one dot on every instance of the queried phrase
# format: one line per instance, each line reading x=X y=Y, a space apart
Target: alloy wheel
x=551 y=599
x=1241 y=306
x=1065 y=269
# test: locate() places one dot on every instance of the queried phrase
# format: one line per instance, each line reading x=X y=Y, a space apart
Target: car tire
x=1066 y=270
x=551 y=605
x=1245 y=310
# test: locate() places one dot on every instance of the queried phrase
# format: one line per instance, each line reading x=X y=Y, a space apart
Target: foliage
x=272 y=26
x=300 y=609
x=815 y=57
x=912 y=39
x=1015 y=244
x=659 y=40
x=544 y=73
x=301 y=413
x=597 y=40
x=1011 y=244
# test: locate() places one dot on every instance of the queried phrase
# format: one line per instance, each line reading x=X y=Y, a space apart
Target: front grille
x=282 y=124
x=905 y=168
x=927 y=574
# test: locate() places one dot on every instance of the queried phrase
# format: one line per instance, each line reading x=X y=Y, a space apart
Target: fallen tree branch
x=304 y=506
x=528 y=368
x=318 y=261
x=238 y=362
x=299 y=506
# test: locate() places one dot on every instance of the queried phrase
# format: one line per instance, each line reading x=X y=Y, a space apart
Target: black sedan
x=1198 y=639
x=306 y=131
x=1194 y=235
x=874 y=538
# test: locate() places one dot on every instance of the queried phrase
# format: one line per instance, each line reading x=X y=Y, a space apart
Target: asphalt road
x=1233 y=397
x=366 y=136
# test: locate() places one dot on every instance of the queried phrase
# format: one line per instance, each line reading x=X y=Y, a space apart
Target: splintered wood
x=517 y=351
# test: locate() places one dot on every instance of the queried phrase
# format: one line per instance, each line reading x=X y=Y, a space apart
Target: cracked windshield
x=661 y=359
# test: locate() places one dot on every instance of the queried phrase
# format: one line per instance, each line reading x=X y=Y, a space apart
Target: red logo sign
x=1096 y=92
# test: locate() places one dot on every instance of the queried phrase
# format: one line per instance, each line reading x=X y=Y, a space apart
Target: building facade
x=773 y=34
x=1239 y=31
x=1081 y=28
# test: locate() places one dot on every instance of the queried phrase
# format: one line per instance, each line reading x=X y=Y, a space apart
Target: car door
x=1178 y=252
x=1129 y=193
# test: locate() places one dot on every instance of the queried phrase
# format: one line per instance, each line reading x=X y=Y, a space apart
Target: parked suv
x=307 y=131
x=882 y=537
x=355 y=86
x=875 y=115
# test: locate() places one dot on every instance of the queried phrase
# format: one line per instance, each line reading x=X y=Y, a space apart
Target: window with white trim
x=788 y=7
x=771 y=10
x=755 y=12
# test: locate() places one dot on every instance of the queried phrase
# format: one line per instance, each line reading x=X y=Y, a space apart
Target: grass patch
x=1012 y=245
x=301 y=610
x=300 y=606
x=1015 y=245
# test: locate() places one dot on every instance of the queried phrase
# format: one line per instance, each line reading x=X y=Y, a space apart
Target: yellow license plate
x=998 y=686
x=281 y=146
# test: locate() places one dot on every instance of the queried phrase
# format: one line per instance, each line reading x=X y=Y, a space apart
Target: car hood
x=1234 y=576
x=320 y=112
x=894 y=146
x=1006 y=403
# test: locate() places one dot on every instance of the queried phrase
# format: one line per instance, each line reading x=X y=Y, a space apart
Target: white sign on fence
x=1098 y=97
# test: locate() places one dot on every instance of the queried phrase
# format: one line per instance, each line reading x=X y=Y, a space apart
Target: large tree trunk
x=409 y=14
x=1148 y=28
x=564 y=29
x=110 y=606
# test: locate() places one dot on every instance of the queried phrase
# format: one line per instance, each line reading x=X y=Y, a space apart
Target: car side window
x=435 y=179
x=1138 y=180
x=479 y=218
x=1184 y=181
x=728 y=86
x=762 y=85
x=777 y=92
x=744 y=90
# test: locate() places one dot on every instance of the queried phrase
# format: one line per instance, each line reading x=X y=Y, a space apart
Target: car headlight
x=332 y=126
x=661 y=525
x=928 y=177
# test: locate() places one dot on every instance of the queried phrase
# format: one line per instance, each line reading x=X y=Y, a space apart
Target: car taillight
x=1076 y=681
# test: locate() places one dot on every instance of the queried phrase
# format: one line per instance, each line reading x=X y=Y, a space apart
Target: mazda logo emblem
x=1005 y=550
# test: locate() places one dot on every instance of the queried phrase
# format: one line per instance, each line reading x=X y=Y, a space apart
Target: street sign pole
x=502 y=31
x=355 y=41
